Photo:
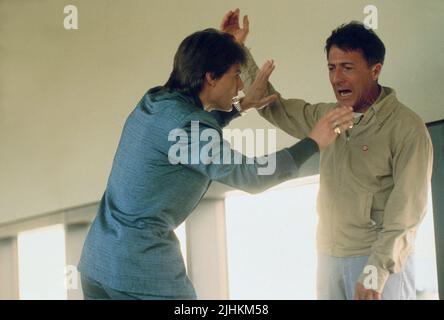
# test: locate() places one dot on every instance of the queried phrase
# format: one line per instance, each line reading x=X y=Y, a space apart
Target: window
x=41 y=254
x=182 y=236
x=425 y=258
x=271 y=244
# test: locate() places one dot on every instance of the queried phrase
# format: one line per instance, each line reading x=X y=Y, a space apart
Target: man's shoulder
x=407 y=124
x=170 y=111
x=401 y=113
x=407 y=117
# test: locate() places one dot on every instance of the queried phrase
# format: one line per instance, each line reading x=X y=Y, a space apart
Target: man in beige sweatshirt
x=373 y=180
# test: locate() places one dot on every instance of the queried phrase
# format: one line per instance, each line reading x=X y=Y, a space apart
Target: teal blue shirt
x=131 y=245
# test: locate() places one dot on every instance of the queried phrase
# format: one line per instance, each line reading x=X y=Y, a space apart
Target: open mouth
x=345 y=92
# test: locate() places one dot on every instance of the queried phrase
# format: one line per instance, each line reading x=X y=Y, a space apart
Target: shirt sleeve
x=405 y=209
x=294 y=116
x=213 y=157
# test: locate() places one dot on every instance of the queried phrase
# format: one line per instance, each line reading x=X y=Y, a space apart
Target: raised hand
x=256 y=95
x=361 y=293
x=331 y=125
x=230 y=24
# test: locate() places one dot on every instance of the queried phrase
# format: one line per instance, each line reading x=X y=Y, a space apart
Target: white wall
x=64 y=95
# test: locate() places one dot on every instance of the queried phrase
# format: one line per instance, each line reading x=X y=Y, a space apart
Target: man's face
x=226 y=88
x=352 y=79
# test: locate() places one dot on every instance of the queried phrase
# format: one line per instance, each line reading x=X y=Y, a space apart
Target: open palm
x=256 y=95
x=230 y=24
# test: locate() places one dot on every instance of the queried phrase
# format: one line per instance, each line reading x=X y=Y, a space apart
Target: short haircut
x=355 y=36
x=204 y=51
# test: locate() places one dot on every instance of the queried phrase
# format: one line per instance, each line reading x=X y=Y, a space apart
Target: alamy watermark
x=71 y=21
x=371 y=20
x=71 y=277
x=206 y=147
x=371 y=279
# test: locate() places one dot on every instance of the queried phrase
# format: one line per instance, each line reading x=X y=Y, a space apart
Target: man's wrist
x=239 y=105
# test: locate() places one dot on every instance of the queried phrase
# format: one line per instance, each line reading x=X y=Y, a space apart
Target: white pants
x=336 y=279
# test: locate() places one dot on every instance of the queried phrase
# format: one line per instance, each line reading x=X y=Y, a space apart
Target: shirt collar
x=382 y=107
x=165 y=94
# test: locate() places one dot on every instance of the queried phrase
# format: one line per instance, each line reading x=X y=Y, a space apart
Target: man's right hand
x=330 y=126
x=255 y=96
x=230 y=24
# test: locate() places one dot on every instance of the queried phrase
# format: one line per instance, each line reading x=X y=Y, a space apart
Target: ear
x=209 y=78
x=376 y=70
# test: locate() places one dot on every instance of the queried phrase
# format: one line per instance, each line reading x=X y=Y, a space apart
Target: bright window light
x=271 y=243
x=182 y=236
x=41 y=254
x=425 y=258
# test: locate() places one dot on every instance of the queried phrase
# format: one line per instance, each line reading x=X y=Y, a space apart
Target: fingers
x=246 y=24
x=345 y=123
x=340 y=119
x=346 y=118
x=230 y=18
x=235 y=17
x=368 y=294
x=225 y=20
x=267 y=100
x=359 y=293
x=266 y=70
x=365 y=294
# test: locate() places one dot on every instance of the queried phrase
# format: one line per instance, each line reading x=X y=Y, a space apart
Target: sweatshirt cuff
x=303 y=150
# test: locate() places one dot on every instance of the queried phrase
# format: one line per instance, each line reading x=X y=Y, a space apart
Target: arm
x=405 y=207
x=255 y=97
x=294 y=116
x=209 y=154
x=213 y=157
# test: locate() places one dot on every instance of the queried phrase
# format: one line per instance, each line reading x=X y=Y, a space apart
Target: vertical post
x=206 y=250
x=9 y=285
x=75 y=235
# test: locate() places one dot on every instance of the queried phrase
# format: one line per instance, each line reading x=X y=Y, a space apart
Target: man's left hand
x=256 y=95
x=230 y=24
x=361 y=293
